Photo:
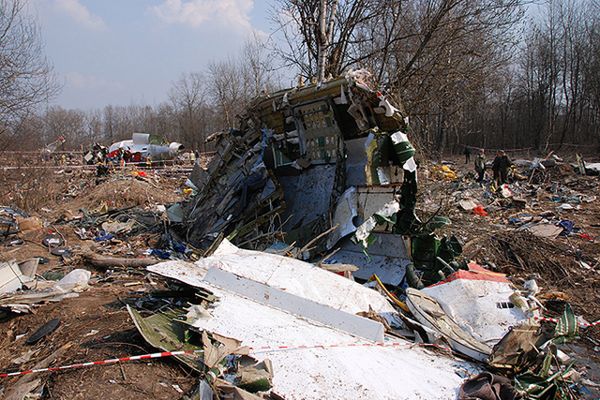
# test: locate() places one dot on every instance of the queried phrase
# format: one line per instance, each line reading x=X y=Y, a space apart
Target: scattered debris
x=314 y=250
x=313 y=309
x=43 y=331
x=12 y=277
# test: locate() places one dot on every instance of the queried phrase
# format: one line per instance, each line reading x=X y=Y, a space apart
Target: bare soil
x=97 y=325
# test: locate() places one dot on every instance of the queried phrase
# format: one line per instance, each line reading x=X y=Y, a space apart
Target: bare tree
x=188 y=96
x=437 y=55
x=26 y=78
x=234 y=82
x=552 y=102
x=227 y=88
x=591 y=69
x=109 y=123
x=258 y=70
x=70 y=124
x=318 y=34
x=27 y=134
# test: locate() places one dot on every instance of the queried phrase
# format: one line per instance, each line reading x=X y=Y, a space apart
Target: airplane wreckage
x=317 y=168
x=326 y=174
x=141 y=147
x=141 y=143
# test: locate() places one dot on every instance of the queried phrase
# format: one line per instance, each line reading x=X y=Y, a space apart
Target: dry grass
x=124 y=192
x=553 y=263
x=32 y=189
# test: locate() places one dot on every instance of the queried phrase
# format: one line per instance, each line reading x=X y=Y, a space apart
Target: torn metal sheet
x=355 y=206
x=45 y=291
x=427 y=311
x=268 y=191
x=518 y=349
x=592 y=168
x=479 y=301
x=543 y=229
x=22 y=303
x=291 y=275
x=117 y=227
x=344 y=217
x=166 y=331
x=175 y=213
x=402 y=147
x=330 y=373
x=387 y=257
x=231 y=200
x=311 y=140
x=199 y=177
x=356 y=166
x=356 y=162
x=11 y=277
x=308 y=196
x=29 y=267
x=363 y=232
x=256 y=320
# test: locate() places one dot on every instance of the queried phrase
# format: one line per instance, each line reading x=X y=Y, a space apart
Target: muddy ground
x=96 y=325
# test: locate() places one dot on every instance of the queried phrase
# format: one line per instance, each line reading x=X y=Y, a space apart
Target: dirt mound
x=124 y=192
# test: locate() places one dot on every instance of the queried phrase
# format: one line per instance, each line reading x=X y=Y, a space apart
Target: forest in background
x=485 y=73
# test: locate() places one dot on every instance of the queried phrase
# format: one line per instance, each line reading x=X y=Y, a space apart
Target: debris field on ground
x=315 y=254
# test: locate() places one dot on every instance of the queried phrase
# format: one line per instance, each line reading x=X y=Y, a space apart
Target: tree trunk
x=322 y=41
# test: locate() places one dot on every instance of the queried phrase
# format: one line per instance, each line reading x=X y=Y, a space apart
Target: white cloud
x=234 y=13
x=80 y=13
x=78 y=80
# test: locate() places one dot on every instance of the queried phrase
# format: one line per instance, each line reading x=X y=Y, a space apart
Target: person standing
x=500 y=166
x=467 y=154
x=480 y=165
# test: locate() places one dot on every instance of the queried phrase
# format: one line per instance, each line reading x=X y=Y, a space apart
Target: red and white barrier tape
x=102 y=362
x=156 y=165
x=255 y=350
x=554 y=320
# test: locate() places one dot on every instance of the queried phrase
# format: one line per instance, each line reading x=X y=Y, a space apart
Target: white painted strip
x=296 y=305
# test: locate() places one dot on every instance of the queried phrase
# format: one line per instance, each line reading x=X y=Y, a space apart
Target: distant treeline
x=483 y=73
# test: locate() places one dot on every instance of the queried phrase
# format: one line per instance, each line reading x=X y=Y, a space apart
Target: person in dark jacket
x=500 y=166
x=467 y=154
x=480 y=165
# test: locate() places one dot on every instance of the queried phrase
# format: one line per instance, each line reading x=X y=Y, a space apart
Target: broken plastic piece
x=43 y=331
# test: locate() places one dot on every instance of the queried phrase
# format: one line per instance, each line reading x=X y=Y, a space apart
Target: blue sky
x=130 y=51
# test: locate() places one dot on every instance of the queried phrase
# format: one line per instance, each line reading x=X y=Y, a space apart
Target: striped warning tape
x=155 y=165
x=66 y=166
x=102 y=362
x=255 y=350
x=554 y=320
x=40 y=151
